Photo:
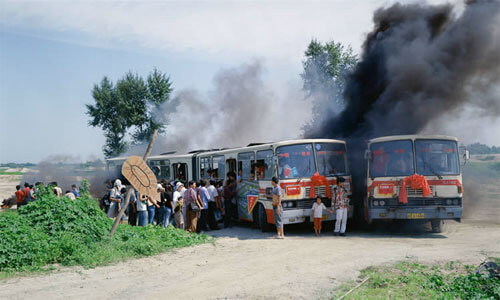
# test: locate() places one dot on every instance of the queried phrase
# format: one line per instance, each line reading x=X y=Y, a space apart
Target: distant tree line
x=478 y=148
x=17 y=165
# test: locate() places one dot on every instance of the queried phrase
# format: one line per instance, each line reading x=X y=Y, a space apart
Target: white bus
x=301 y=165
x=393 y=159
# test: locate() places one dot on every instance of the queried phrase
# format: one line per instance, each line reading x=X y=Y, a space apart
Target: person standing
x=175 y=197
x=19 y=196
x=141 y=208
x=317 y=214
x=205 y=198
x=166 y=209
x=132 y=209
x=341 y=207
x=114 y=199
x=192 y=207
x=277 y=208
x=229 y=195
x=75 y=191
x=152 y=206
x=212 y=206
x=26 y=191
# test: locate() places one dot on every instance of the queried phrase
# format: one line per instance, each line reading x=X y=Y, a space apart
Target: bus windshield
x=296 y=161
x=394 y=158
x=331 y=159
x=437 y=157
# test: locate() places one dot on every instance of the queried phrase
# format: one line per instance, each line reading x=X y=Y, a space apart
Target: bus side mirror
x=368 y=155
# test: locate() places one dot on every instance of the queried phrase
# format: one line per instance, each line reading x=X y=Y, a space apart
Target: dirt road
x=246 y=263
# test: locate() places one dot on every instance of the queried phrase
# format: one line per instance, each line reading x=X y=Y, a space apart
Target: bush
x=22 y=245
x=76 y=232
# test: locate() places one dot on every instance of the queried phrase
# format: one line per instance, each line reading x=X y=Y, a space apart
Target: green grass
x=58 y=231
x=482 y=172
x=412 y=280
x=11 y=173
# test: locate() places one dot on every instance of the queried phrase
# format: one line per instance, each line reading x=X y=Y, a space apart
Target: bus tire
x=262 y=219
x=437 y=226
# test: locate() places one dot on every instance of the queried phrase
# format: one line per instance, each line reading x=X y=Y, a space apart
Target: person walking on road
x=277 y=208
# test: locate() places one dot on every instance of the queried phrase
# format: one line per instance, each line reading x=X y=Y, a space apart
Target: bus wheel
x=262 y=219
x=437 y=226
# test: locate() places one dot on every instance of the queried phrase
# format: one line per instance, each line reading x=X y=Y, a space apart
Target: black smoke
x=419 y=63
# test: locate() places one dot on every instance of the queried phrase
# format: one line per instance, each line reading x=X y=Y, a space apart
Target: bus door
x=180 y=171
x=247 y=187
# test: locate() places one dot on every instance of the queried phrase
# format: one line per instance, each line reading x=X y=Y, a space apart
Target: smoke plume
x=240 y=108
x=419 y=63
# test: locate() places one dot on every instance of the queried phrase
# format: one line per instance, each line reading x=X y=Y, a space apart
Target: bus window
x=205 y=168
x=296 y=161
x=180 y=172
x=264 y=164
x=437 y=157
x=246 y=165
x=231 y=165
x=393 y=158
x=161 y=168
x=331 y=159
x=218 y=167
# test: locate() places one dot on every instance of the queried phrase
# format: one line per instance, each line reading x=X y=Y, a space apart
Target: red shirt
x=26 y=191
x=20 y=196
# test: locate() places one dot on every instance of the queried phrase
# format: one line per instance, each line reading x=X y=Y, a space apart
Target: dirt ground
x=245 y=263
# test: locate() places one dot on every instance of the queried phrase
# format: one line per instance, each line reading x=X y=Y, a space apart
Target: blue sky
x=52 y=53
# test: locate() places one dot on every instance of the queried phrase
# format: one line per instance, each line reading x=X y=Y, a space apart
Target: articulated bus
x=393 y=160
x=306 y=168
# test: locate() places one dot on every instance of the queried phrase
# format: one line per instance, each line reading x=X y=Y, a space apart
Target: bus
x=307 y=168
x=394 y=161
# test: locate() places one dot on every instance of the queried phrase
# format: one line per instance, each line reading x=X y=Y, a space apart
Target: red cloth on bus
x=415 y=182
x=318 y=180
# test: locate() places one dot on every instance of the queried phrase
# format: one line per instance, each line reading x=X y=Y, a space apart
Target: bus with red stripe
x=414 y=177
x=307 y=168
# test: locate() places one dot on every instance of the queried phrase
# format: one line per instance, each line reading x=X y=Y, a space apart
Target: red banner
x=386 y=189
x=252 y=200
x=292 y=190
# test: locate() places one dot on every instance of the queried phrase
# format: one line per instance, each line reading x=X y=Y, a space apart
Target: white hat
x=159 y=186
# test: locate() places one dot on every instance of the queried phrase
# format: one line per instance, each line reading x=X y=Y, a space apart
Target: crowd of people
x=27 y=193
x=194 y=206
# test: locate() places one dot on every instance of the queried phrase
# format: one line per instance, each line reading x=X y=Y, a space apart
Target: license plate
x=324 y=217
x=416 y=216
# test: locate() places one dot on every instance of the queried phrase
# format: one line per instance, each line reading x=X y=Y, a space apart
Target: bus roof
x=412 y=137
x=237 y=149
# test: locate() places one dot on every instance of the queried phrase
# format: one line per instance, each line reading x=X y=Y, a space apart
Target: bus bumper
x=294 y=216
x=440 y=212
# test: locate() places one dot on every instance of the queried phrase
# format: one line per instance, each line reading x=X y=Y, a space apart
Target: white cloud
x=239 y=29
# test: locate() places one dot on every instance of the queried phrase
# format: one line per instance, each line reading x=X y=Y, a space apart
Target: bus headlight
x=455 y=202
x=375 y=203
x=382 y=202
x=448 y=202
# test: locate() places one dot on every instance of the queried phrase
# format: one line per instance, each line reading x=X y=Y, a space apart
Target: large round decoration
x=140 y=176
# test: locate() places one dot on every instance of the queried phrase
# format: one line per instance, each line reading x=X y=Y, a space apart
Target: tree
x=130 y=104
x=325 y=69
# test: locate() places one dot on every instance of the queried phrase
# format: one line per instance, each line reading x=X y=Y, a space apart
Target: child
x=342 y=206
x=317 y=213
x=179 y=218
